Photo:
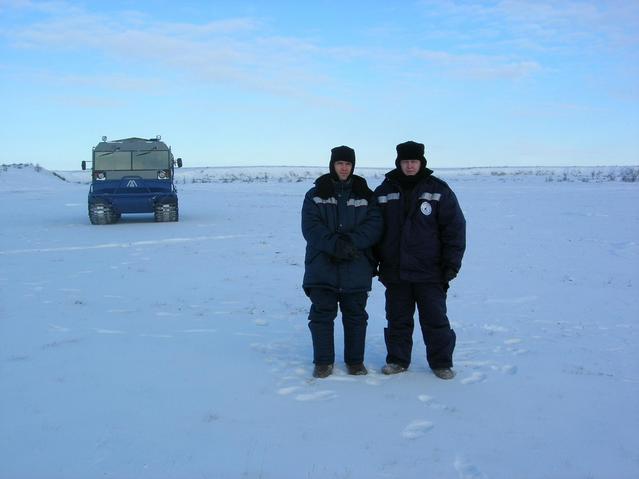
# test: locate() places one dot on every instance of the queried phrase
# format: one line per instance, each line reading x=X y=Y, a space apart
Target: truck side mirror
x=84 y=165
x=179 y=162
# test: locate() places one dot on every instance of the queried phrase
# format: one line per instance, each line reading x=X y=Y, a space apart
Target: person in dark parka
x=340 y=222
x=420 y=252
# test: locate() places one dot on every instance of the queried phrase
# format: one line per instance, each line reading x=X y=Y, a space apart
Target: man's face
x=410 y=167
x=343 y=169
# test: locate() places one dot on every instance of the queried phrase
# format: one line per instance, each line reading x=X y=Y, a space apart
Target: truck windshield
x=112 y=160
x=150 y=160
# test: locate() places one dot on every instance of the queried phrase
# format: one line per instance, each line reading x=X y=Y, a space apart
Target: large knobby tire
x=101 y=214
x=166 y=212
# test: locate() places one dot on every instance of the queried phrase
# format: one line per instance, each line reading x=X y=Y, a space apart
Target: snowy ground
x=181 y=350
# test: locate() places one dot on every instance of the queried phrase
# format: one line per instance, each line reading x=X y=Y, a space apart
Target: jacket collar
x=326 y=186
x=395 y=176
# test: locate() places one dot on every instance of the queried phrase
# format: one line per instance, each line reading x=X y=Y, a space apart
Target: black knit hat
x=410 y=150
x=341 y=153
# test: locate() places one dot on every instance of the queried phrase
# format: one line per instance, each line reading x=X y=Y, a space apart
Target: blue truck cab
x=132 y=175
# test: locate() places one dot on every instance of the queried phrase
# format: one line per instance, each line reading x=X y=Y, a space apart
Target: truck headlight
x=99 y=175
x=163 y=175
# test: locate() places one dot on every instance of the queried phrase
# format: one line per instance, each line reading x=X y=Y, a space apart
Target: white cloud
x=47 y=7
x=494 y=41
x=540 y=24
x=479 y=66
x=232 y=50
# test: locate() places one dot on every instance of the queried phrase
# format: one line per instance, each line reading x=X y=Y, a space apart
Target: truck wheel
x=101 y=214
x=166 y=212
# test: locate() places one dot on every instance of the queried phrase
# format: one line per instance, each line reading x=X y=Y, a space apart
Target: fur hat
x=410 y=150
x=341 y=153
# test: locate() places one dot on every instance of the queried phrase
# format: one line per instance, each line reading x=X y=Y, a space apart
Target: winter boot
x=393 y=368
x=322 y=370
x=444 y=373
x=357 y=369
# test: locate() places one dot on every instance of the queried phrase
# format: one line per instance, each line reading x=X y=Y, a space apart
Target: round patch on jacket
x=426 y=208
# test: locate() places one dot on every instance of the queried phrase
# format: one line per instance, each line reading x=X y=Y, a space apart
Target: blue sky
x=282 y=82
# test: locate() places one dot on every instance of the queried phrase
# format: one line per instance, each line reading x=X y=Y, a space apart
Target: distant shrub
x=630 y=175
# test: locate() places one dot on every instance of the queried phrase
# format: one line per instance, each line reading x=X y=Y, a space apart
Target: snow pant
x=439 y=338
x=321 y=320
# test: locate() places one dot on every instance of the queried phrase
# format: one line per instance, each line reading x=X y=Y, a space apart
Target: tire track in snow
x=132 y=244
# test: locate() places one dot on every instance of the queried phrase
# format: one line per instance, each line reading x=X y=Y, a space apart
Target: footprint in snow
x=375 y=379
x=467 y=470
x=318 y=396
x=60 y=329
x=508 y=369
x=474 y=378
x=109 y=331
x=517 y=351
x=288 y=390
x=430 y=402
x=417 y=429
x=341 y=378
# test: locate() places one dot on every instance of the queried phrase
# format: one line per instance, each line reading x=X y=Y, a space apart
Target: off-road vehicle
x=133 y=175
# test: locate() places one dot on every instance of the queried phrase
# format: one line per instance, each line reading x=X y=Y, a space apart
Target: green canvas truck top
x=132 y=154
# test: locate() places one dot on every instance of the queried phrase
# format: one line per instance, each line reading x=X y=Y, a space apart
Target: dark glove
x=345 y=250
x=449 y=274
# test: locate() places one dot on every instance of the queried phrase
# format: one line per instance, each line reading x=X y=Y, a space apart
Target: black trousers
x=321 y=320
x=439 y=338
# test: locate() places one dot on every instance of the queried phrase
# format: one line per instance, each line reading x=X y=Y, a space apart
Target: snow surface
x=181 y=350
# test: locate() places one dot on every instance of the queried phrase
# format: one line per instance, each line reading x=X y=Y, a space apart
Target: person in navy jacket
x=420 y=252
x=340 y=222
